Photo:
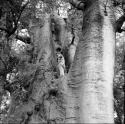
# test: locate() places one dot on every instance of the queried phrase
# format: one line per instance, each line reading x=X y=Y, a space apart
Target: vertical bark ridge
x=108 y=59
x=74 y=83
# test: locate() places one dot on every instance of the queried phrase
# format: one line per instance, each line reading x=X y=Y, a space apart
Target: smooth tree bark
x=90 y=80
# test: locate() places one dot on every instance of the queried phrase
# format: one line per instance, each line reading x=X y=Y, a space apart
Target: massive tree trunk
x=88 y=87
x=45 y=100
x=42 y=66
x=90 y=83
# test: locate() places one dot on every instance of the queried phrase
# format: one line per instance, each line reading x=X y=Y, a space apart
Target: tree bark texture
x=88 y=88
x=45 y=101
x=90 y=81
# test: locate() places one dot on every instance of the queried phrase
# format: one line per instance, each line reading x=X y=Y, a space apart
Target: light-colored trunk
x=71 y=53
x=91 y=75
x=44 y=61
x=45 y=43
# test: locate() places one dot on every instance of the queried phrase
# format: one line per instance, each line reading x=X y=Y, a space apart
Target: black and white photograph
x=62 y=61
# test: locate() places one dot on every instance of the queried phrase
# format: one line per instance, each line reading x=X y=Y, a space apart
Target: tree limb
x=119 y=23
x=16 y=20
x=23 y=39
x=79 y=4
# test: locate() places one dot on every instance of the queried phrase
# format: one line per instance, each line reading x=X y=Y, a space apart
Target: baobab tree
x=88 y=85
x=91 y=75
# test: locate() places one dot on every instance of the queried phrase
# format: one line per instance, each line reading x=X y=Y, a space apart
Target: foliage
x=22 y=86
x=119 y=80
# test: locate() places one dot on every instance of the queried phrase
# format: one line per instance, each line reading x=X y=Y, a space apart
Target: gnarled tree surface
x=42 y=105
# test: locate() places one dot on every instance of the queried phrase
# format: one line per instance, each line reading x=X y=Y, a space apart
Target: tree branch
x=119 y=23
x=16 y=20
x=22 y=9
x=79 y=4
x=23 y=39
x=16 y=14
